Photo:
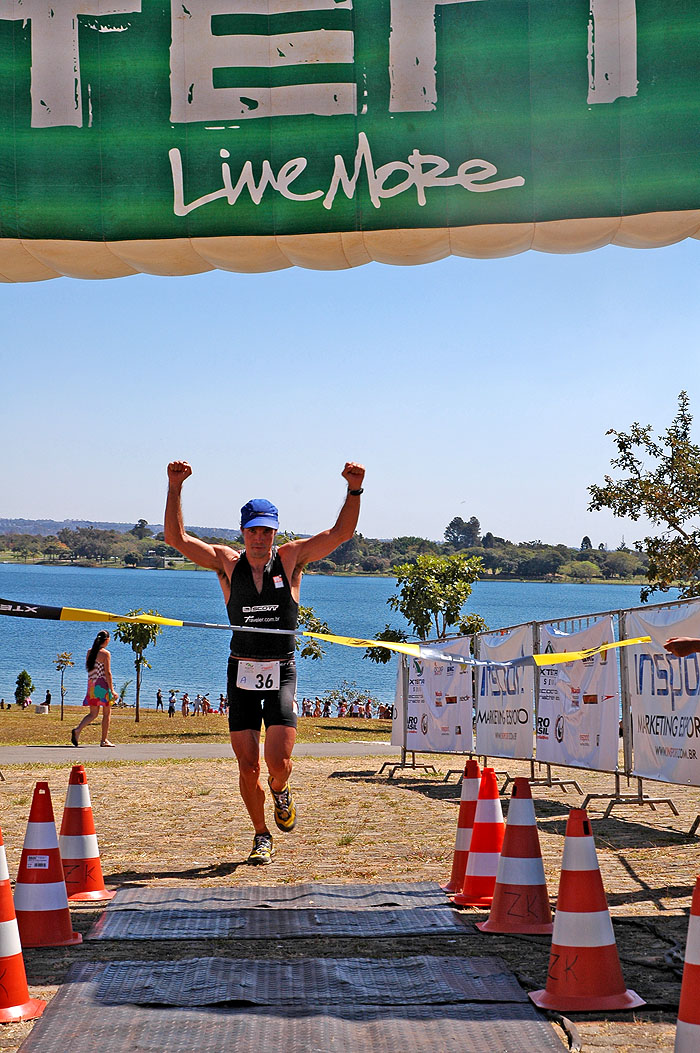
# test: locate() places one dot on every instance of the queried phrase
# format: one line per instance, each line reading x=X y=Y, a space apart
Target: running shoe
x=285 y=808
x=262 y=851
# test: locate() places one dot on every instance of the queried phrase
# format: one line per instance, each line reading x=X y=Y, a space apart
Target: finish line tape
x=432 y=654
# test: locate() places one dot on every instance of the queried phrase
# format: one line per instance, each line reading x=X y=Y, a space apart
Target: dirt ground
x=180 y=823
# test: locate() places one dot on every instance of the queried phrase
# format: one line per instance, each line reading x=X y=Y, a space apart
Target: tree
x=432 y=592
x=139 y=636
x=24 y=688
x=141 y=530
x=63 y=661
x=309 y=620
x=461 y=534
x=585 y=543
x=661 y=481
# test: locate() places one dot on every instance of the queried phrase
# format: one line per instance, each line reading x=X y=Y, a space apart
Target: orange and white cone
x=520 y=898
x=41 y=900
x=485 y=848
x=584 y=968
x=15 y=1003
x=688 y=1025
x=465 y=823
x=78 y=843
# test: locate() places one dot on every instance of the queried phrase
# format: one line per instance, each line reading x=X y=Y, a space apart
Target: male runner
x=261 y=589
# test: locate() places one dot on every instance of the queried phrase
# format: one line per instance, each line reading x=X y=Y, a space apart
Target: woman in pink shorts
x=100 y=691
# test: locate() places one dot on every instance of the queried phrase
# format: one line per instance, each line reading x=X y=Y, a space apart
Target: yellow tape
x=79 y=614
x=562 y=657
x=350 y=641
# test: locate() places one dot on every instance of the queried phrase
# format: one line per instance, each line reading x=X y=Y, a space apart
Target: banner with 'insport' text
x=579 y=703
x=178 y=136
x=664 y=696
x=505 y=701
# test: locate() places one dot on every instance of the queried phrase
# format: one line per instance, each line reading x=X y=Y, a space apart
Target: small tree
x=24 y=688
x=432 y=592
x=63 y=661
x=139 y=636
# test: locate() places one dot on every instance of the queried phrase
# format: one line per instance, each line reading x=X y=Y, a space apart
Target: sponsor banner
x=664 y=694
x=579 y=703
x=398 y=710
x=159 y=119
x=505 y=701
x=439 y=707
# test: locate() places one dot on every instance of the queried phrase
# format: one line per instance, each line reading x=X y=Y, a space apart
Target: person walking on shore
x=261 y=590
x=100 y=689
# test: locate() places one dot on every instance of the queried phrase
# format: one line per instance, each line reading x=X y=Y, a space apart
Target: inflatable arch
x=178 y=136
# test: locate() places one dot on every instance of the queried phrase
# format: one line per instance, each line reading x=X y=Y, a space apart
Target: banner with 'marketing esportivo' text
x=579 y=702
x=664 y=693
x=505 y=702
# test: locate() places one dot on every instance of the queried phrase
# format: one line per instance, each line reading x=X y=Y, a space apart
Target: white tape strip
x=488 y=811
x=583 y=930
x=579 y=854
x=51 y=896
x=4 y=872
x=464 y=839
x=78 y=796
x=9 y=939
x=518 y=871
x=521 y=811
x=692 y=946
x=41 y=835
x=483 y=864
x=78 y=846
x=687 y=1037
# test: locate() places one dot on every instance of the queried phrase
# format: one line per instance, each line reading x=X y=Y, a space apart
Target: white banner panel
x=440 y=703
x=579 y=703
x=664 y=696
x=505 y=701
x=398 y=710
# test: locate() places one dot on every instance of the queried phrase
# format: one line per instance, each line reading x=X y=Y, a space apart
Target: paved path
x=180 y=751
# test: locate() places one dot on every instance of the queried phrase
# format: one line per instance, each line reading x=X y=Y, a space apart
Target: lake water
x=194 y=660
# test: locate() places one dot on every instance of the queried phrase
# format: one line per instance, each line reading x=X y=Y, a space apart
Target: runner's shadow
x=136 y=878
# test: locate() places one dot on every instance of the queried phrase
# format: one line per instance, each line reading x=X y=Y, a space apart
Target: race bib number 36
x=258 y=676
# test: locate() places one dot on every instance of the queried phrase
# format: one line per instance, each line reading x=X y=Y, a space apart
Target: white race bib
x=258 y=676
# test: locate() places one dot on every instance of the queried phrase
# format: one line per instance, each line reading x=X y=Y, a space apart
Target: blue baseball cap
x=259 y=512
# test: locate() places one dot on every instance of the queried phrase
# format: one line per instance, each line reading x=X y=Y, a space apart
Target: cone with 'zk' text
x=584 y=969
x=465 y=823
x=15 y=1003
x=78 y=843
x=485 y=848
x=688 y=1026
x=520 y=899
x=41 y=900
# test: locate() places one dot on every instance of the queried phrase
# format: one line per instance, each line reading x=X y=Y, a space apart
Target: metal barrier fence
x=571 y=624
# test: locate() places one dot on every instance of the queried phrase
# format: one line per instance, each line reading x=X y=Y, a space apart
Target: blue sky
x=467 y=387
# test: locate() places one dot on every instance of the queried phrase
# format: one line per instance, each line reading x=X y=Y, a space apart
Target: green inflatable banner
x=179 y=136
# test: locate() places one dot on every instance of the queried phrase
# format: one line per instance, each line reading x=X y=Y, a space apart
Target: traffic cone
x=485 y=848
x=584 y=969
x=520 y=899
x=465 y=822
x=78 y=843
x=688 y=1025
x=41 y=900
x=15 y=1003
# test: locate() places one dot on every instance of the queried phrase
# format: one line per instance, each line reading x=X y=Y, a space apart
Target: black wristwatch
x=356 y=493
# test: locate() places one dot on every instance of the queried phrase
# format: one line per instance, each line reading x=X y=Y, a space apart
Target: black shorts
x=248 y=709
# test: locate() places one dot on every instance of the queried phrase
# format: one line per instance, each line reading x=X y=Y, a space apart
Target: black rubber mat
x=307 y=894
x=255 y=923
x=76 y=1020
x=316 y=981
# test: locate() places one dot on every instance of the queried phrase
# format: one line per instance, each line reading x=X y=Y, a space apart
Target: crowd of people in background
x=318 y=707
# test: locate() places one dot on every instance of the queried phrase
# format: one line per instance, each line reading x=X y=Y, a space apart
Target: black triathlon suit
x=272 y=608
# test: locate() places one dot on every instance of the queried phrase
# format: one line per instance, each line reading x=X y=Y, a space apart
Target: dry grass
x=182 y=824
x=26 y=728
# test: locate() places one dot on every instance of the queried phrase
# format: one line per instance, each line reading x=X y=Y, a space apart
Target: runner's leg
x=279 y=743
x=246 y=746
